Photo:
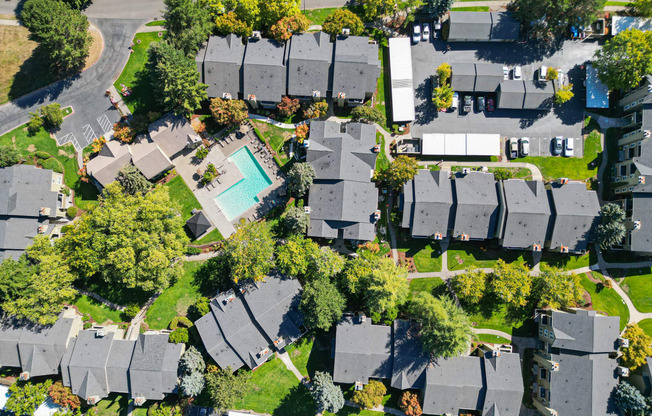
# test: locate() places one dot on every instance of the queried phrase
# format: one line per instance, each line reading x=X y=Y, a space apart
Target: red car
x=490 y=104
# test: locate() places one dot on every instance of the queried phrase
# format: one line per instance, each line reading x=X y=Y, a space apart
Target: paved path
x=536 y=173
x=273 y=122
x=492 y=332
x=605 y=122
x=202 y=256
x=285 y=357
x=149 y=29
x=393 y=245
x=9 y=22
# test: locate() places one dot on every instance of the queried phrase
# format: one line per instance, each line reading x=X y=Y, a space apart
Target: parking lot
x=540 y=126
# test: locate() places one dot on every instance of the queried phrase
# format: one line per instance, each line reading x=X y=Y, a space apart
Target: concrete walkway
x=536 y=173
x=605 y=122
x=149 y=29
x=273 y=122
x=203 y=256
x=285 y=357
x=9 y=22
x=495 y=332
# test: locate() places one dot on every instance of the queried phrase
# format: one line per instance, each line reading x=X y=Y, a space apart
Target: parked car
x=468 y=103
x=517 y=72
x=513 y=148
x=437 y=24
x=557 y=145
x=525 y=146
x=425 y=34
x=416 y=33
x=480 y=102
x=505 y=72
x=490 y=105
x=568 y=148
x=456 y=101
x=543 y=73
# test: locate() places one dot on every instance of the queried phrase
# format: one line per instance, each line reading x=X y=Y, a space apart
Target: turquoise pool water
x=242 y=196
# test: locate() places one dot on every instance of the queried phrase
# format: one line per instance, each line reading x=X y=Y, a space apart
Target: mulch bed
x=166 y=179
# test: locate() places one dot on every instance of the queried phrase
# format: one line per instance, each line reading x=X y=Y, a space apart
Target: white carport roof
x=400 y=70
x=483 y=144
x=460 y=144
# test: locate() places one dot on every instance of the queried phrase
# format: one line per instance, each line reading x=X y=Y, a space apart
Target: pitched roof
x=362 y=351
x=222 y=65
x=504 y=385
x=453 y=384
x=153 y=369
x=488 y=77
x=409 y=360
x=343 y=201
x=576 y=214
x=198 y=224
x=527 y=213
x=105 y=166
x=511 y=94
x=538 y=95
x=428 y=204
x=149 y=158
x=310 y=64
x=85 y=367
x=585 y=331
x=504 y=26
x=356 y=67
x=469 y=26
x=477 y=205
x=264 y=71
x=172 y=134
x=463 y=76
x=641 y=238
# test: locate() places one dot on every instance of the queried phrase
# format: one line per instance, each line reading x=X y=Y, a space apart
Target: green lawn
x=638 y=285
x=181 y=194
x=493 y=315
x=276 y=138
x=135 y=76
x=381 y=86
x=646 y=326
x=99 y=312
x=85 y=193
x=568 y=261
x=114 y=405
x=156 y=23
x=609 y=3
x=432 y=285
x=492 y=339
x=312 y=353
x=471 y=9
x=175 y=300
x=211 y=237
x=317 y=16
x=426 y=254
x=605 y=300
x=463 y=254
x=382 y=162
x=273 y=389
x=554 y=167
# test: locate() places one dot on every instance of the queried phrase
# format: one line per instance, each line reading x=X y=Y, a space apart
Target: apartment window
x=623 y=170
x=632 y=168
x=543 y=374
x=551 y=335
x=542 y=392
x=640 y=100
x=631 y=188
x=627 y=107
x=544 y=320
x=545 y=333
x=617 y=191
x=540 y=331
x=624 y=189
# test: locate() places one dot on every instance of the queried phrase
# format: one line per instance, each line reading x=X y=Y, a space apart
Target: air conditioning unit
x=24 y=376
x=252 y=97
x=316 y=94
x=377 y=214
x=555 y=367
x=637 y=225
x=623 y=371
x=228 y=299
x=226 y=96
x=346 y=31
x=563 y=181
x=256 y=35
x=465 y=237
x=438 y=236
x=139 y=401
x=564 y=249
x=536 y=247
x=341 y=95
x=624 y=342
x=92 y=400
x=306 y=209
x=641 y=179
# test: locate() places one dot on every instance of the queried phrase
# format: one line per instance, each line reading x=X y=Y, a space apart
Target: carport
x=463 y=77
x=488 y=77
x=538 y=95
x=511 y=95
x=460 y=144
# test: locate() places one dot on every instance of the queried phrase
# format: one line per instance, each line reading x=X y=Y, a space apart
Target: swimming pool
x=240 y=197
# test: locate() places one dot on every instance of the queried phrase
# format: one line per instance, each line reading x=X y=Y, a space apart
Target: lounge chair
x=221 y=143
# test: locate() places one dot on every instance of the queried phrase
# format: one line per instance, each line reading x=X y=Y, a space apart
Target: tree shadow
x=425 y=111
x=118 y=294
x=298 y=402
x=320 y=356
x=213 y=276
x=572 y=111
x=518 y=53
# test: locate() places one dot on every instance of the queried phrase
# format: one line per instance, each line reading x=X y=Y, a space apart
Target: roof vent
x=438 y=236
x=641 y=180
x=316 y=94
x=306 y=209
x=256 y=35
x=24 y=376
x=346 y=31
x=465 y=237
x=564 y=249
x=263 y=353
x=623 y=371
x=563 y=181
x=624 y=342
x=637 y=225
x=139 y=401
x=226 y=96
x=536 y=247
x=92 y=400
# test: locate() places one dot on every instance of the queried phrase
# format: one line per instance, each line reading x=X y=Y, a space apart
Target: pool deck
x=187 y=167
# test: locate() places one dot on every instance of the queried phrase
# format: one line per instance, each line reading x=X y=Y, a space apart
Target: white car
x=543 y=73
x=426 y=32
x=568 y=147
x=505 y=73
x=416 y=34
x=525 y=146
x=437 y=24
x=456 y=101
x=517 y=72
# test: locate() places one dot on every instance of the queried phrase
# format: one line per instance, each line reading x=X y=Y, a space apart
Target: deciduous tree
x=470 y=286
x=444 y=72
x=299 y=178
x=321 y=304
x=295 y=221
x=374 y=9
x=369 y=115
x=52 y=116
x=249 y=252
x=293 y=257
x=287 y=26
x=401 y=170
x=640 y=347
x=225 y=387
x=230 y=23
x=445 y=328
x=511 y=282
x=187 y=24
x=624 y=59
x=437 y=7
x=8 y=156
x=385 y=289
x=123 y=132
x=25 y=398
x=553 y=17
x=63 y=396
x=128 y=240
x=229 y=112
x=328 y=397
x=564 y=94
x=557 y=289
x=443 y=97
x=271 y=11
x=340 y=19
x=410 y=404
x=133 y=181
x=287 y=106
x=315 y=110
x=611 y=230
x=371 y=395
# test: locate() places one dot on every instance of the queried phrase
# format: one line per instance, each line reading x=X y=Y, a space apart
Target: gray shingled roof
x=105 y=166
x=264 y=71
x=538 y=95
x=171 y=133
x=154 y=364
x=356 y=67
x=504 y=385
x=428 y=204
x=35 y=349
x=222 y=65
x=410 y=361
x=576 y=214
x=585 y=331
x=469 y=26
x=453 y=384
x=583 y=385
x=198 y=224
x=641 y=239
x=310 y=64
x=362 y=351
x=149 y=158
x=343 y=201
x=463 y=76
x=477 y=205
x=504 y=26
x=527 y=214
x=488 y=77
x=511 y=94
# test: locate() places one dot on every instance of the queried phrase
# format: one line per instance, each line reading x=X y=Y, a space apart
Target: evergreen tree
x=328 y=397
x=187 y=24
x=299 y=178
x=611 y=230
x=133 y=181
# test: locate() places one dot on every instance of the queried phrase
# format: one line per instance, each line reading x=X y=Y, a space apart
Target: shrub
x=340 y=19
x=551 y=73
x=42 y=155
x=301 y=132
x=179 y=336
x=139 y=123
x=71 y=212
x=190 y=251
x=52 y=164
x=503 y=174
x=288 y=106
x=444 y=72
x=371 y=395
x=180 y=321
x=201 y=153
x=35 y=123
x=131 y=311
x=369 y=115
x=52 y=116
x=8 y=156
x=67 y=228
x=199 y=308
x=63 y=396
x=123 y=132
x=410 y=404
x=564 y=94
x=153 y=116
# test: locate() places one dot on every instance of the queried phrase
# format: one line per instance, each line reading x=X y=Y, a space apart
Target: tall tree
x=557 y=289
x=230 y=23
x=470 y=286
x=437 y=7
x=287 y=26
x=25 y=398
x=445 y=328
x=552 y=18
x=611 y=230
x=511 y=282
x=229 y=112
x=249 y=252
x=225 y=387
x=321 y=304
x=640 y=347
x=401 y=170
x=386 y=288
x=187 y=24
x=175 y=80
x=624 y=59
x=295 y=221
x=133 y=181
x=374 y=9
x=271 y=11
x=371 y=395
x=63 y=396
x=128 y=240
x=643 y=8
x=328 y=397
x=629 y=399
x=293 y=258
x=341 y=19
x=299 y=178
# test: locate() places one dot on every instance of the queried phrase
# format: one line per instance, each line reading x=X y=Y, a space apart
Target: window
x=627 y=107
x=631 y=188
x=545 y=333
x=623 y=170
x=632 y=168
x=542 y=392
x=540 y=331
x=617 y=191
x=551 y=335
x=544 y=320
x=543 y=374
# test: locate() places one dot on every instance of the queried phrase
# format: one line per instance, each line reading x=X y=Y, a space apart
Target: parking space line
x=89 y=133
x=104 y=123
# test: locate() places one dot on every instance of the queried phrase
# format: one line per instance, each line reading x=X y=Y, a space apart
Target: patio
x=191 y=170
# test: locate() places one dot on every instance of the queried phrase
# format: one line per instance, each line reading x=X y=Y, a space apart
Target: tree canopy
x=25 y=398
x=611 y=230
x=225 y=387
x=557 y=289
x=470 y=286
x=287 y=26
x=340 y=19
x=187 y=24
x=133 y=181
x=445 y=328
x=9 y=156
x=624 y=59
x=366 y=114
x=321 y=304
x=640 y=347
x=129 y=240
x=552 y=18
x=374 y=9
x=437 y=7
x=385 y=289
x=299 y=178
x=401 y=170
x=229 y=112
x=295 y=221
x=511 y=282
x=629 y=399
x=250 y=252
x=643 y=7
x=328 y=397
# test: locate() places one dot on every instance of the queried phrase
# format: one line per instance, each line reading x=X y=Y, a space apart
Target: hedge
x=52 y=164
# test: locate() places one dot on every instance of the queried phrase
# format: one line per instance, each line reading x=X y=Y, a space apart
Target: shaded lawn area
x=382 y=163
x=605 y=300
x=554 y=167
x=381 y=86
x=492 y=339
x=275 y=137
x=113 y=405
x=638 y=285
x=433 y=285
x=85 y=193
x=156 y=23
x=463 y=254
x=426 y=254
x=135 y=76
x=317 y=16
x=98 y=311
x=569 y=261
x=491 y=314
x=273 y=389
x=175 y=300
x=471 y=9
x=181 y=194
x=312 y=353
x=211 y=237
x=646 y=326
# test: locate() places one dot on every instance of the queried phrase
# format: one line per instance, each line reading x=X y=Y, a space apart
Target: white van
x=456 y=101
x=543 y=73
